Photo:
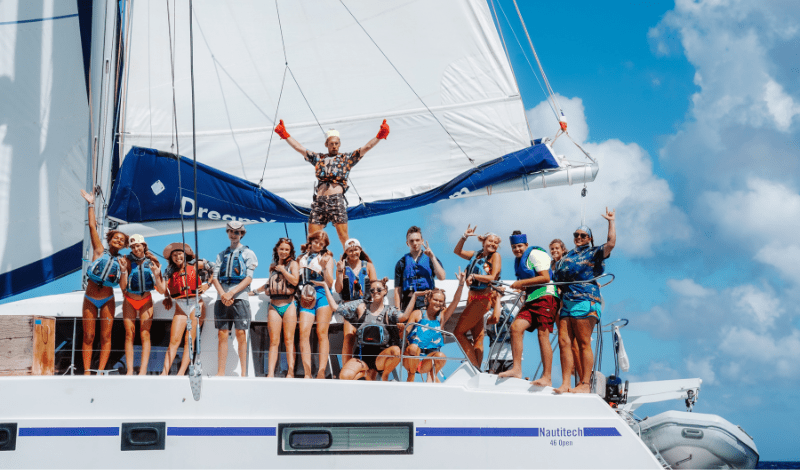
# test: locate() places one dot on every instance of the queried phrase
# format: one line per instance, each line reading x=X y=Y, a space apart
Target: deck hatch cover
x=143 y=436
x=8 y=436
x=345 y=438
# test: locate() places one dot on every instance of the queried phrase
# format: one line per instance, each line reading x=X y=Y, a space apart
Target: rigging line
x=508 y=58
x=527 y=59
x=280 y=27
x=221 y=90
x=175 y=120
x=408 y=84
x=536 y=56
x=271 y=134
x=194 y=170
x=306 y=99
x=286 y=229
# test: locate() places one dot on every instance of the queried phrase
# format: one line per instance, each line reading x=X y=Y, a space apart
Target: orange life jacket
x=183 y=283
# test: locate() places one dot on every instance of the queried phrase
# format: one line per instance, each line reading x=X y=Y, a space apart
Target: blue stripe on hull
x=478 y=432
x=221 y=431
x=69 y=432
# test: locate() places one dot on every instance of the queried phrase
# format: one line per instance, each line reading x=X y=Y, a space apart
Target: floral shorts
x=328 y=209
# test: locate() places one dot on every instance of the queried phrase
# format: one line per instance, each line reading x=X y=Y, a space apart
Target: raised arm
x=612 y=233
x=339 y=276
x=438 y=270
x=382 y=134
x=459 y=249
x=161 y=285
x=280 y=129
x=97 y=243
x=448 y=312
x=411 y=304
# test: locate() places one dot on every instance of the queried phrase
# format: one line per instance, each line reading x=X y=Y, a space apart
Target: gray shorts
x=237 y=315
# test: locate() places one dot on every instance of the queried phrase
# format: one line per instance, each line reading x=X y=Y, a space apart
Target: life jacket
x=426 y=338
x=233 y=268
x=182 y=283
x=140 y=278
x=105 y=270
x=278 y=287
x=521 y=268
x=417 y=275
x=310 y=269
x=356 y=283
x=477 y=265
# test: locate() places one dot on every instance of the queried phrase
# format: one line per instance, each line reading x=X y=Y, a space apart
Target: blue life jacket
x=105 y=270
x=521 y=268
x=477 y=265
x=426 y=338
x=356 y=283
x=417 y=276
x=233 y=268
x=140 y=278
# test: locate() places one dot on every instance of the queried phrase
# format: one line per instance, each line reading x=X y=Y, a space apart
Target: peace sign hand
x=461 y=276
x=426 y=248
x=470 y=231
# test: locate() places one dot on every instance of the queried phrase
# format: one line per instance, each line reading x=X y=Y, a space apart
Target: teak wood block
x=27 y=345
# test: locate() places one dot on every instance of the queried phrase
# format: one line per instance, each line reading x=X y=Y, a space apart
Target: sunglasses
x=580 y=235
x=236 y=232
x=376 y=290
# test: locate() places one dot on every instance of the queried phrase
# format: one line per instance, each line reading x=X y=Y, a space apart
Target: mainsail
x=44 y=116
x=436 y=71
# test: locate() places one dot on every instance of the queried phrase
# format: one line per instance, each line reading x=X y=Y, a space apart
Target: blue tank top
x=425 y=338
x=140 y=279
x=105 y=270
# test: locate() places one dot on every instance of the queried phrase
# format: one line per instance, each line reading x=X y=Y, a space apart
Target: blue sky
x=693 y=111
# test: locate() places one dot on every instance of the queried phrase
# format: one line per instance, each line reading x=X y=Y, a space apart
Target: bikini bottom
x=98 y=303
x=137 y=304
x=282 y=309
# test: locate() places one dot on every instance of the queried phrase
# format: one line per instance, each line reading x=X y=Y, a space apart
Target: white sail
x=435 y=70
x=43 y=143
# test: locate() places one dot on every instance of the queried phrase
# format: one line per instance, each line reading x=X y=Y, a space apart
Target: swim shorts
x=237 y=315
x=540 y=312
x=581 y=309
x=328 y=209
x=322 y=301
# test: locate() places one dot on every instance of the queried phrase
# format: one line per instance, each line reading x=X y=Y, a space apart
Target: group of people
x=558 y=287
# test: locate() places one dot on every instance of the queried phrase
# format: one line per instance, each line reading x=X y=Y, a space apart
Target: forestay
x=435 y=70
x=44 y=116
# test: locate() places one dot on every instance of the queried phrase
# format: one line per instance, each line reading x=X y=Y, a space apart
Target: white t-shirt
x=539 y=261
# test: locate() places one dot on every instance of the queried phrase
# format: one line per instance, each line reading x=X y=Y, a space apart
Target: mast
x=102 y=98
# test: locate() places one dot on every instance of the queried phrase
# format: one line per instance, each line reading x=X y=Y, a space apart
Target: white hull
x=472 y=421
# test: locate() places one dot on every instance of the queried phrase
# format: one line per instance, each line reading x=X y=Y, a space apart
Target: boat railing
x=463 y=359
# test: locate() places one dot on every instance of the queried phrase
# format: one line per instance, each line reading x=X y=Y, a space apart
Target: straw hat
x=180 y=247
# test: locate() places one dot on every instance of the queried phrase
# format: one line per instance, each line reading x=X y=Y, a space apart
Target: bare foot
x=542 y=382
x=290 y=375
x=307 y=376
x=583 y=387
x=511 y=373
x=411 y=377
x=564 y=388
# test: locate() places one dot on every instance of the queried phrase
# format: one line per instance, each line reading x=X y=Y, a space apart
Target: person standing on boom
x=233 y=273
x=332 y=170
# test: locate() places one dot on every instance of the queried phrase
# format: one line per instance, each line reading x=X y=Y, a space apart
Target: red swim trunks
x=540 y=312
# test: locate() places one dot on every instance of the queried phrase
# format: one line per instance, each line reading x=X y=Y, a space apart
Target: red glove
x=280 y=129
x=384 y=132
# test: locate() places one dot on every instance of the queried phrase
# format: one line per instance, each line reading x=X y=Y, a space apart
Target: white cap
x=135 y=238
x=351 y=243
x=331 y=133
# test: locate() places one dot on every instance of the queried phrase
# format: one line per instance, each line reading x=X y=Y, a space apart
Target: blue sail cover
x=147 y=190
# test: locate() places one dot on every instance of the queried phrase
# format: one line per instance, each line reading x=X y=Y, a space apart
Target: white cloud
x=702 y=368
x=646 y=215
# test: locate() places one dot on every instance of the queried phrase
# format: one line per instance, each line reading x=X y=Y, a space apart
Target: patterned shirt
x=582 y=263
x=333 y=169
